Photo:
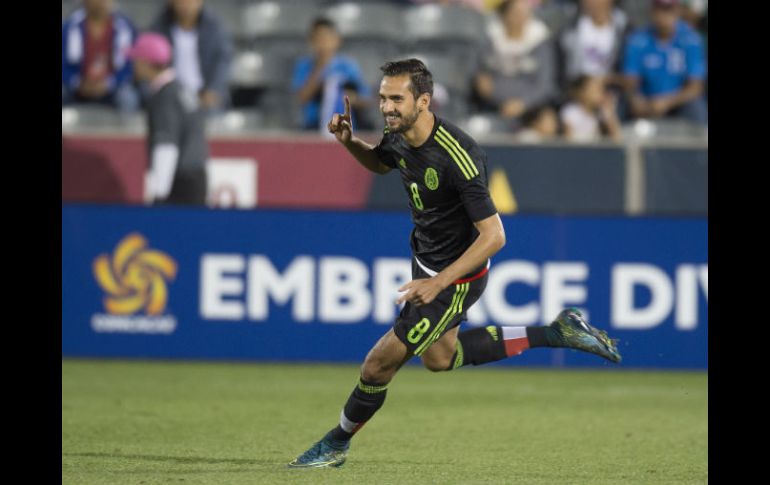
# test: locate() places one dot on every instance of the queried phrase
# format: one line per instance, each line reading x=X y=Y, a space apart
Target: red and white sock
x=515 y=340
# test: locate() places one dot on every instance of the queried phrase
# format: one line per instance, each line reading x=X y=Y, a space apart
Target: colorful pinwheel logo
x=136 y=277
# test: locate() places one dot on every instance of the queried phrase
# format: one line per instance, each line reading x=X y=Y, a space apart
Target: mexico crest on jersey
x=431 y=178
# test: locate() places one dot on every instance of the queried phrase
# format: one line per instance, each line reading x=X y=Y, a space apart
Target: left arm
x=609 y=118
x=215 y=89
x=490 y=240
x=126 y=36
x=662 y=104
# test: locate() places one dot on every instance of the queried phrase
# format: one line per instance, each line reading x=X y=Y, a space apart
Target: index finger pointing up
x=347 y=106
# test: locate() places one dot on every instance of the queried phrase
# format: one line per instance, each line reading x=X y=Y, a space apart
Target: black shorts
x=420 y=326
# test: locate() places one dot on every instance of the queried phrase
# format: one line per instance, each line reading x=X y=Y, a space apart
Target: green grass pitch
x=142 y=423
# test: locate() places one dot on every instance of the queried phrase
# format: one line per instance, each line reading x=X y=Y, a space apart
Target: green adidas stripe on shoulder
x=452 y=154
x=385 y=130
x=473 y=170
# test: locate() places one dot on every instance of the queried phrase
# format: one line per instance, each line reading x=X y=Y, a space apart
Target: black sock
x=491 y=343
x=543 y=337
x=363 y=402
x=479 y=346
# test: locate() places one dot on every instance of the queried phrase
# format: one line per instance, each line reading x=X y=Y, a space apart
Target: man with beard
x=457 y=229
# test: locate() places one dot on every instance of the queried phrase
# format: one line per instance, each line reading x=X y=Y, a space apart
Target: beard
x=407 y=121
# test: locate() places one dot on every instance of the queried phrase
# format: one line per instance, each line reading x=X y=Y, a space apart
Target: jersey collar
x=436 y=124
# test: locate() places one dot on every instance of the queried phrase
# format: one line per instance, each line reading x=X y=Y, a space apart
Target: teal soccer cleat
x=324 y=453
x=575 y=333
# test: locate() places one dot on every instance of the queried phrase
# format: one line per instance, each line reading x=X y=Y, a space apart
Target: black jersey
x=445 y=179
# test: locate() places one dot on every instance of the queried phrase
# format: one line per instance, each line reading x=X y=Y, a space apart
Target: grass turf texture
x=222 y=423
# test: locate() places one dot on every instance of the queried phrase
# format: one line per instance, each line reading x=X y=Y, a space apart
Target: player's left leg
x=491 y=343
x=478 y=346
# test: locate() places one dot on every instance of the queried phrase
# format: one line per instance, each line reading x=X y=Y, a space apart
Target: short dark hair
x=534 y=113
x=503 y=7
x=578 y=83
x=322 y=22
x=422 y=79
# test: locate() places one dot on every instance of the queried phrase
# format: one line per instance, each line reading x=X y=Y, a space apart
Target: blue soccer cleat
x=324 y=453
x=575 y=333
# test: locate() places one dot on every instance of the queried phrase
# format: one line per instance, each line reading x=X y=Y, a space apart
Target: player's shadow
x=187 y=460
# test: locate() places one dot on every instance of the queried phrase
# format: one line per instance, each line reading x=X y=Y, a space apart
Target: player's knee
x=373 y=373
x=436 y=363
x=376 y=370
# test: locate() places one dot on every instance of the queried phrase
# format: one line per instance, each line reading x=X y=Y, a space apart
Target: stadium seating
x=360 y=22
x=275 y=21
x=142 y=12
x=229 y=12
x=448 y=28
x=481 y=124
x=370 y=58
x=236 y=121
x=260 y=67
x=674 y=128
x=98 y=117
x=280 y=109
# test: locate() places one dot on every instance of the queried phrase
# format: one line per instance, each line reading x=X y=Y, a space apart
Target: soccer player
x=457 y=229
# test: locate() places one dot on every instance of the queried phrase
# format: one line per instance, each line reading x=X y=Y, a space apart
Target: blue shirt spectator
x=94 y=67
x=322 y=79
x=664 y=67
x=339 y=75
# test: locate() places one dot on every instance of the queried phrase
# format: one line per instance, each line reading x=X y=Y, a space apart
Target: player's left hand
x=420 y=291
x=340 y=124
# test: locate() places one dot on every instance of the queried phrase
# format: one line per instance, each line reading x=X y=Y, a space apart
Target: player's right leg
x=380 y=366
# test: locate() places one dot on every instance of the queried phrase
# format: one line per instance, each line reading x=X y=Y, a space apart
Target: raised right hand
x=340 y=124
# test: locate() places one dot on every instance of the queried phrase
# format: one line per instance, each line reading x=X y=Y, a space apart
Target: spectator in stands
x=517 y=71
x=592 y=42
x=540 y=124
x=592 y=112
x=176 y=139
x=483 y=6
x=203 y=50
x=323 y=78
x=474 y=4
x=94 y=68
x=664 y=66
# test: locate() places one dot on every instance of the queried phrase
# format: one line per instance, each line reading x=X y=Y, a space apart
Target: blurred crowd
x=540 y=69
